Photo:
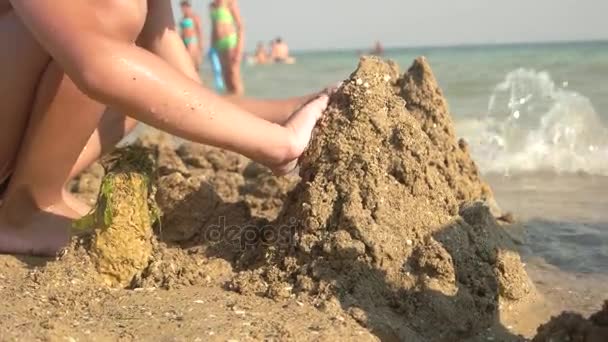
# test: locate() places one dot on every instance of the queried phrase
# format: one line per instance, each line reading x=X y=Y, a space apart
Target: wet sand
x=563 y=232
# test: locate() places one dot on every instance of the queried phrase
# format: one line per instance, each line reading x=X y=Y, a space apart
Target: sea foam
x=534 y=124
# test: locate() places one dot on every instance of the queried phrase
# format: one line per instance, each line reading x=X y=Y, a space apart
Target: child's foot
x=39 y=232
x=301 y=124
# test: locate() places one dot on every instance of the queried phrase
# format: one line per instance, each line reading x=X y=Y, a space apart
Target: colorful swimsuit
x=223 y=15
x=188 y=23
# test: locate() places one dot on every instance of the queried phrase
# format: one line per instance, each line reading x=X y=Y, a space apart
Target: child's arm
x=277 y=111
x=160 y=37
x=113 y=71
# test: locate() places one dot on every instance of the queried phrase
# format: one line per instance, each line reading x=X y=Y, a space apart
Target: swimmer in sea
x=260 y=56
x=228 y=39
x=280 y=52
x=191 y=33
x=71 y=70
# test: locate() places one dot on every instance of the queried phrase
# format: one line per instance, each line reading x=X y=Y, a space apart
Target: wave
x=533 y=124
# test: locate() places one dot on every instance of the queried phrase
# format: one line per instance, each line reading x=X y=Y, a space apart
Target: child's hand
x=301 y=124
x=331 y=89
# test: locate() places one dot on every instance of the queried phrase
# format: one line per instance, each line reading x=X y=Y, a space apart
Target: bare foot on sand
x=38 y=232
x=301 y=123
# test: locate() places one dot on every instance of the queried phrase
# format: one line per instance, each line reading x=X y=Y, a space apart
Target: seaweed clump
x=122 y=239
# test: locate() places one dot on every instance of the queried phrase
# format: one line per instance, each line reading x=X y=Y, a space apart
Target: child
x=191 y=33
x=69 y=68
x=227 y=39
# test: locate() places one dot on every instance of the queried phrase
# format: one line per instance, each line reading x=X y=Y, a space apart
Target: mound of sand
x=389 y=220
x=425 y=102
x=572 y=327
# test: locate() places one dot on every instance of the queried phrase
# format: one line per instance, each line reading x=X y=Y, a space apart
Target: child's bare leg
x=22 y=61
x=35 y=217
x=112 y=128
x=110 y=131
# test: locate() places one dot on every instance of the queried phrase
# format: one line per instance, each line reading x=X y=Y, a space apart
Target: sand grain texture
x=388 y=217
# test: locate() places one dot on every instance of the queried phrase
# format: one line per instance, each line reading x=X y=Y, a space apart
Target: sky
x=353 y=24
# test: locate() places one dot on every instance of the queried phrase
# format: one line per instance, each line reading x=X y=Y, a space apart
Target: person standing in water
x=227 y=39
x=261 y=57
x=378 y=49
x=280 y=51
x=191 y=33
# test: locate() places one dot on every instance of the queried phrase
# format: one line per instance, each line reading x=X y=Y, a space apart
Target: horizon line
x=453 y=45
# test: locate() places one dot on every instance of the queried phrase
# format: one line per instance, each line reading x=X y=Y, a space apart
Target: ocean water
x=536 y=119
x=521 y=107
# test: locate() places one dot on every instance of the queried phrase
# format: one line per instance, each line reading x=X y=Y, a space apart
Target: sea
x=525 y=107
x=536 y=119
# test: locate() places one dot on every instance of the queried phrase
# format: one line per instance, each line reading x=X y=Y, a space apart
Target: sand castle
x=391 y=216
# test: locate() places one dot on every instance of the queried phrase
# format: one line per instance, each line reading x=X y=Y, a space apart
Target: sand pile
x=383 y=224
x=390 y=222
x=572 y=327
x=425 y=101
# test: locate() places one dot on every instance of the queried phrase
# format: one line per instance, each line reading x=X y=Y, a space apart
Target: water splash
x=532 y=124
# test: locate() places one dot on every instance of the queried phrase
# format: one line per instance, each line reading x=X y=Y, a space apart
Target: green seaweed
x=105 y=196
x=130 y=160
